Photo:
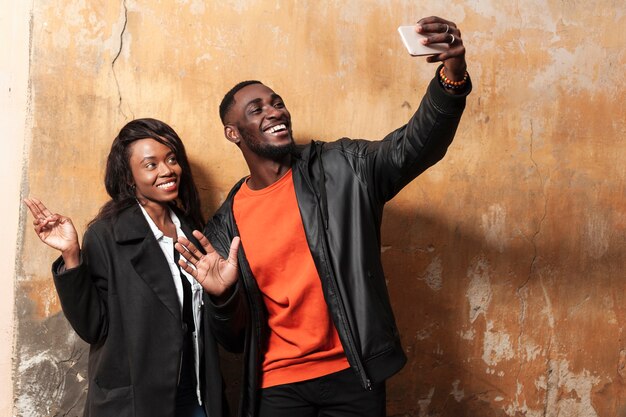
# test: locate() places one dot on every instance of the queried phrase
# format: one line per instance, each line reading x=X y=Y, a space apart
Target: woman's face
x=155 y=170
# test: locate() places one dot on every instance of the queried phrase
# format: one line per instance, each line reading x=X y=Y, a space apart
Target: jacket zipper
x=365 y=381
x=321 y=210
x=180 y=367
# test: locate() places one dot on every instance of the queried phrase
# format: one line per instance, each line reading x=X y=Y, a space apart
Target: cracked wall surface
x=505 y=262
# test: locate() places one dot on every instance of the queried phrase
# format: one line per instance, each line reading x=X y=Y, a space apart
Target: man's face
x=262 y=120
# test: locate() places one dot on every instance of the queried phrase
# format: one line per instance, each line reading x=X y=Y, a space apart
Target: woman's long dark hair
x=118 y=177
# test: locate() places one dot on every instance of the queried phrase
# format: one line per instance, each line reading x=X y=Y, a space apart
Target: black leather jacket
x=341 y=188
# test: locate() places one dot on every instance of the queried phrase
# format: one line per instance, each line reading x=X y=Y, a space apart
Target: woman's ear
x=232 y=134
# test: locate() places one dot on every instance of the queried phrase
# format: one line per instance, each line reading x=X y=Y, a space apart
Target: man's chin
x=276 y=151
x=270 y=150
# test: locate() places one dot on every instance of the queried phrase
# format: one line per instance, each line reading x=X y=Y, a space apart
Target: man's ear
x=232 y=134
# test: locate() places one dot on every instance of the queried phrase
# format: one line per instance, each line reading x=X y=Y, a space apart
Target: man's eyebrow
x=274 y=96
x=254 y=101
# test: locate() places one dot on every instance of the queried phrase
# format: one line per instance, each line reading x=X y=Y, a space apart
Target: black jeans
x=336 y=395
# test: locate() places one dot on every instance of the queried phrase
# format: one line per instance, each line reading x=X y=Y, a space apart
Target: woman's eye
x=150 y=165
x=279 y=105
x=172 y=160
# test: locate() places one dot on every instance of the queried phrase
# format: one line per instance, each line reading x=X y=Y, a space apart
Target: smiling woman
x=123 y=292
x=156 y=175
x=133 y=144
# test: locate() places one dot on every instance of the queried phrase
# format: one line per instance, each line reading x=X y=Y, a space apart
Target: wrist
x=454 y=82
x=224 y=296
x=457 y=74
x=71 y=256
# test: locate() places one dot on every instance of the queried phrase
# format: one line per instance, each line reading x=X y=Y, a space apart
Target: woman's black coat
x=121 y=300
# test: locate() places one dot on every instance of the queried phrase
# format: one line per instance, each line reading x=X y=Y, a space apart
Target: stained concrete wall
x=505 y=262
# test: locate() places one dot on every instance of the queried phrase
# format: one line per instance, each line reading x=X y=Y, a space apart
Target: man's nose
x=273 y=112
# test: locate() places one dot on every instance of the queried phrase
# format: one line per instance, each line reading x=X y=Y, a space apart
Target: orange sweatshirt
x=303 y=342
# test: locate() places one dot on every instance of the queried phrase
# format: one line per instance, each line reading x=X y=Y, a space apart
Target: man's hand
x=438 y=30
x=56 y=231
x=214 y=273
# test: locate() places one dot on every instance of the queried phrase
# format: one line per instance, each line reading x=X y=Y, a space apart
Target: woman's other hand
x=216 y=274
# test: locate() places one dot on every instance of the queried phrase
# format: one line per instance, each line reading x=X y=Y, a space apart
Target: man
x=305 y=295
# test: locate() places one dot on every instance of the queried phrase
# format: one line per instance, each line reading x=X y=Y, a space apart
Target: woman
x=151 y=352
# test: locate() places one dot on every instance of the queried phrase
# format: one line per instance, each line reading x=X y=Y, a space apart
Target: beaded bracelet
x=448 y=83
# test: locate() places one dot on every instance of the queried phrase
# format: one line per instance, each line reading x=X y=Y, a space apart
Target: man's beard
x=267 y=150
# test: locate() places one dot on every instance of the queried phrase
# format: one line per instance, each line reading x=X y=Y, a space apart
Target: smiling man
x=305 y=295
x=256 y=119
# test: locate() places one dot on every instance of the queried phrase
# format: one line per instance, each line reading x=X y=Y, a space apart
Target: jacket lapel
x=133 y=232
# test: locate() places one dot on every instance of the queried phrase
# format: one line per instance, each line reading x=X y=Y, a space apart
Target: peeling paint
x=561 y=383
x=517 y=407
x=50 y=380
x=547 y=310
x=494 y=226
x=456 y=392
x=425 y=333
x=467 y=334
x=532 y=351
x=497 y=346
x=424 y=403
x=621 y=364
x=479 y=289
x=434 y=274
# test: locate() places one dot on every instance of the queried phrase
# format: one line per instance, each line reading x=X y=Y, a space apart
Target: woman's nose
x=165 y=170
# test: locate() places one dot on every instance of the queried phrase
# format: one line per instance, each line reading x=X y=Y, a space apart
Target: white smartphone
x=413 y=44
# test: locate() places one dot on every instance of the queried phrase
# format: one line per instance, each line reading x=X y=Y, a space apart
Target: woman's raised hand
x=56 y=231
x=216 y=274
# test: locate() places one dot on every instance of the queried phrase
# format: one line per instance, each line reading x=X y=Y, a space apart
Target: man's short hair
x=229 y=99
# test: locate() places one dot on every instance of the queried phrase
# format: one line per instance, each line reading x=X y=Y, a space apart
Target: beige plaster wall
x=14 y=120
x=505 y=262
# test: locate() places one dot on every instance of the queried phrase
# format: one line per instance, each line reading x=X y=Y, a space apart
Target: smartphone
x=412 y=41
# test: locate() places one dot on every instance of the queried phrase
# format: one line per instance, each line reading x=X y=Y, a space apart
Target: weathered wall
x=505 y=261
x=14 y=26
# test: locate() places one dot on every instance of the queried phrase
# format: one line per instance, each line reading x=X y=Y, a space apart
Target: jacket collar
x=130 y=225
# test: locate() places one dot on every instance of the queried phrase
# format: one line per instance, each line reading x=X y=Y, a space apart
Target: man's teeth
x=276 y=128
x=167 y=184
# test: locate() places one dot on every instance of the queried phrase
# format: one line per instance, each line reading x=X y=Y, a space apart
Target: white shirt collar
x=158 y=234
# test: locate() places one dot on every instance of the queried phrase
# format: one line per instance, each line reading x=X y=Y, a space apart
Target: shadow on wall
x=427 y=262
x=474 y=322
x=528 y=329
